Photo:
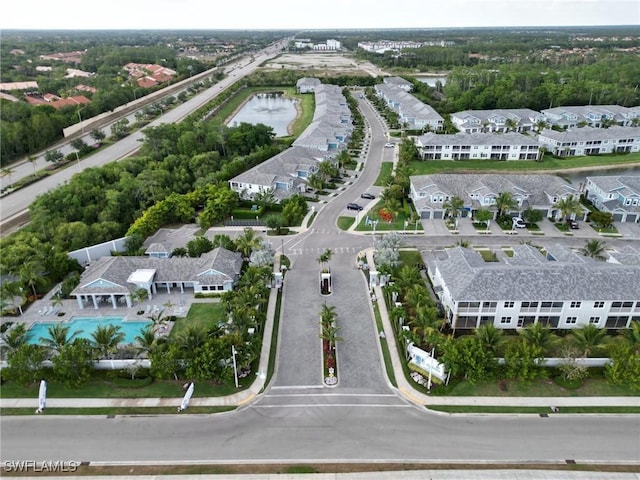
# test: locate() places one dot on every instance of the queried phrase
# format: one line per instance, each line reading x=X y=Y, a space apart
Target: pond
x=271 y=109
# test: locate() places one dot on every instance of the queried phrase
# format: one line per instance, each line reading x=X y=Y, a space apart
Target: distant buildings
x=9 y=86
x=56 y=101
x=596 y=116
x=411 y=111
x=383 y=46
x=497 y=121
x=68 y=57
x=470 y=146
x=329 y=45
x=591 y=141
x=149 y=75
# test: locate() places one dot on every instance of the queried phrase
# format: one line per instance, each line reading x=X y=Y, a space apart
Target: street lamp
x=235 y=368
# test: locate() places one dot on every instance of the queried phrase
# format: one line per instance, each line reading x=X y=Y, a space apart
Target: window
x=551 y=322
x=508 y=304
x=571 y=320
x=505 y=320
x=575 y=304
x=598 y=304
x=489 y=306
x=484 y=319
x=616 y=322
x=594 y=320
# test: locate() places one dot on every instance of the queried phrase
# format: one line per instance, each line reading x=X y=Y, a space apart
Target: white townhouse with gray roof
x=556 y=288
x=283 y=175
x=466 y=146
x=411 y=111
x=399 y=82
x=591 y=141
x=596 y=116
x=307 y=85
x=618 y=195
x=519 y=120
x=288 y=172
x=111 y=281
x=430 y=193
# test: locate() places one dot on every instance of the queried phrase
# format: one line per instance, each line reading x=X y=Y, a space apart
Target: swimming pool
x=87 y=325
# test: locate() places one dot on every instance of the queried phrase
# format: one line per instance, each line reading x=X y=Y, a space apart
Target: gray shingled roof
x=589 y=134
x=551 y=281
x=470 y=139
x=116 y=270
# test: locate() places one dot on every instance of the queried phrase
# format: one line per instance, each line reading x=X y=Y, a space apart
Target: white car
x=389 y=145
x=519 y=223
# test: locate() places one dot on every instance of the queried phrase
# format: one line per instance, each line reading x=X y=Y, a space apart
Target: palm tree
x=589 y=339
x=106 y=339
x=14 y=338
x=631 y=336
x=427 y=325
x=406 y=277
x=192 y=338
x=492 y=338
x=33 y=160
x=31 y=275
x=329 y=333
x=147 y=340
x=58 y=336
x=594 y=249
x=539 y=336
x=505 y=202
x=416 y=297
x=7 y=172
x=454 y=206
x=247 y=242
x=511 y=124
x=325 y=257
x=567 y=206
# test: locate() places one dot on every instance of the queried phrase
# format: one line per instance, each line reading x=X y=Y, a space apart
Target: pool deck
x=44 y=310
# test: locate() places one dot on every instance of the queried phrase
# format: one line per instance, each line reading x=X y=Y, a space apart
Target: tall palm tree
x=594 y=249
x=58 y=336
x=329 y=333
x=454 y=206
x=426 y=325
x=568 y=206
x=406 y=277
x=631 y=335
x=417 y=296
x=147 y=340
x=7 y=172
x=192 y=338
x=14 y=338
x=31 y=275
x=106 y=338
x=325 y=257
x=537 y=335
x=589 y=339
x=505 y=202
x=247 y=242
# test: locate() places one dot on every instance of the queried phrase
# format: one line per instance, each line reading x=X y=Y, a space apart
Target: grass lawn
x=410 y=257
x=549 y=163
x=488 y=255
x=532 y=410
x=117 y=411
x=382 y=226
x=345 y=222
x=385 y=174
x=206 y=315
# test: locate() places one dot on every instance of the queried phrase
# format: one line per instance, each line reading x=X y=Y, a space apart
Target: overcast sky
x=300 y=14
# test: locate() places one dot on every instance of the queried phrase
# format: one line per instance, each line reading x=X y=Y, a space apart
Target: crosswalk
x=318 y=251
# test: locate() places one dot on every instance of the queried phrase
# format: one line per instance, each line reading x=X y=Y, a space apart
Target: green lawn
x=345 y=222
x=549 y=163
x=488 y=255
x=385 y=174
x=117 y=411
x=410 y=257
x=531 y=410
x=206 y=315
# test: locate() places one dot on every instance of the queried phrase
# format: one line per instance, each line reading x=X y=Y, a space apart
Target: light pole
x=80 y=119
x=235 y=368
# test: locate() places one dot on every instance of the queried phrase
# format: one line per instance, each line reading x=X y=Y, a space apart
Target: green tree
x=198 y=246
x=32 y=276
x=482 y=215
x=467 y=358
x=594 y=249
x=106 y=338
x=454 y=206
x=522 y=360
x=165 y=361
x=294 y=209
x=601 y=219
x=505 y=203
x=54 y=156
x=624 y=368
x=147 y=340
x=325 y=257
x=24 y=364
x=589 y=339
x=275 y=222
x=532 y=216
x=491 y=337
x=73 y=366
x=191 y=339
x=247 y=242
x=98 y=135
x=567 y=206
x=631 y=336
x=58 y=337
x=540 y=337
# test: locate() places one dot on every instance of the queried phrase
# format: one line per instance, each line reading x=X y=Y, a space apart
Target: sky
x=304 y=15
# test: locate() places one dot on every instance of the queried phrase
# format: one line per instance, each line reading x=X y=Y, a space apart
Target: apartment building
x=591 y=141
x=467 y=146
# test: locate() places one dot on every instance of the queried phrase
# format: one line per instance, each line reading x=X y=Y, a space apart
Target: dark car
x=368 y=196
x=573 y=225
x=353 y=206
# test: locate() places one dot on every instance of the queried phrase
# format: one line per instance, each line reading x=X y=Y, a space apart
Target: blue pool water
x=87 y=325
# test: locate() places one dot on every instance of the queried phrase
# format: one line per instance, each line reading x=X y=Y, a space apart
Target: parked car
x=519 y=223
x=573 y=225
x=389 y=145
x=368 y=196
x=353 y=206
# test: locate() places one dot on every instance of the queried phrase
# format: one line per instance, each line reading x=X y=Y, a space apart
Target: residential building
x=111 y=281
x=618 y=195
x=499 y=121
x=557 y=288
x=591 y=141
x=10 y=86
x=430 y=193
x=411 y=111
x=465 y=146
x=399 y=82
x=596 y=116
x=307 y=85
x=149 y=75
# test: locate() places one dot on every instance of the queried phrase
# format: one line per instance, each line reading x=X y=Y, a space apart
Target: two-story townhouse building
x=591 y=141
x=596 y=116
x=412 y=112
x=556 y=288
x=307 y=85
x=466 y=146
x=618 y=195
x=399 y=82
x=430 y=193
x=519 y=120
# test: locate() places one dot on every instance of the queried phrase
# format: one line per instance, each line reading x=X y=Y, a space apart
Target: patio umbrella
x=42 y=396
x=187 y=396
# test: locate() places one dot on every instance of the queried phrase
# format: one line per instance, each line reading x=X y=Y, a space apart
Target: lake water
x=431 y=81
x=579 y=178
x=274 y=111
x=85 y=326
